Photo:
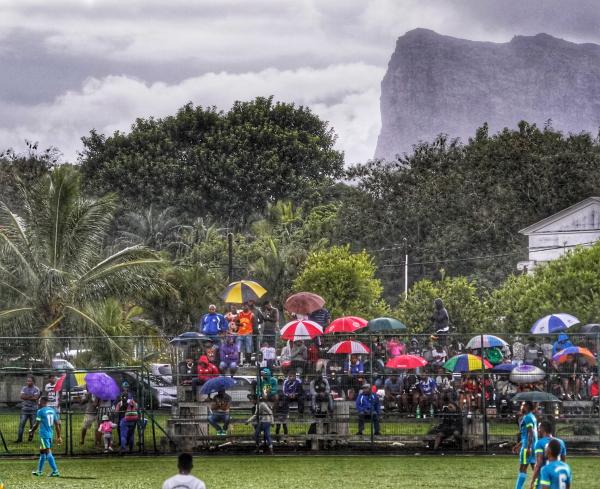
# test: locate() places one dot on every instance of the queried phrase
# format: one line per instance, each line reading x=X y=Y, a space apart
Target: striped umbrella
x=243 y=291
x=489 y=341
x=301 y=330
x=554 y=323
x=350 y=347
x=466 y=363
x=406 y=362
x=347 y=324
x=574 y=352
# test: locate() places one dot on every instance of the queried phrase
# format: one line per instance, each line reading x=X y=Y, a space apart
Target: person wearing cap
x=368 y=408
x=105 y=429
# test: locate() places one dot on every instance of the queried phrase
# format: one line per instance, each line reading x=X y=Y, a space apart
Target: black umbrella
x=535 y=396
x=591 y=328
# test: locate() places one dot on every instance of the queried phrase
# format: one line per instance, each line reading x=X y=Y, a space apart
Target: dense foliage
x=227 y=165
x=345 y=280
x=460 y=206
x=53 y=262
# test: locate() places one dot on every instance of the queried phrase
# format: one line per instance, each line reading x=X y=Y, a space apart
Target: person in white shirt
x=184 y=480
x=53 y=396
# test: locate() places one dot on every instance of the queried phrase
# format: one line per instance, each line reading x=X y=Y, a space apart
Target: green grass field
x=297 y=472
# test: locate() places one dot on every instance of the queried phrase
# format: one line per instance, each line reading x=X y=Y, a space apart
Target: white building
x=550 y=238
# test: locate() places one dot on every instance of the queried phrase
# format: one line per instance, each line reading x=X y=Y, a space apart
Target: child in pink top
x=106 y=428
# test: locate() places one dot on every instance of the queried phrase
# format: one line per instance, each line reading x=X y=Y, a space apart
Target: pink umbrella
x=350 y=347
x=347 y=324
x=304 y=303
x=301 y=330
x=406 y=362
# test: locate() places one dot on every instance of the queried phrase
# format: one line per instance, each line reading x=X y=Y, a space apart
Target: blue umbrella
x=217 y=384
x=554 y=323
x=503 y=368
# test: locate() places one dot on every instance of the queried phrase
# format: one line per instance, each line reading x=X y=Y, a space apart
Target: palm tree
x=52 y=266
x=277 y=267
x=153 y=228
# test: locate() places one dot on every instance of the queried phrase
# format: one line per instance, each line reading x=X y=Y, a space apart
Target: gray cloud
x=68 y=66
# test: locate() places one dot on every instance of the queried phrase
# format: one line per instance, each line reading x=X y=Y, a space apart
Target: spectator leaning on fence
x=184 y=479
x=29 y=395
x=90 y=413
x=262 y=419
x=368 y=408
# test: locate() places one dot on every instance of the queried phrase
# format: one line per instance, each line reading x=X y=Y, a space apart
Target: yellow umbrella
x=243 y=291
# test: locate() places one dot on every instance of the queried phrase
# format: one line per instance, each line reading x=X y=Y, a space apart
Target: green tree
x=229 y=165
x=455 y=202
x=52 y=261
x=23 y=168
x=345 y=280
x=570 y=284
x=461 y=298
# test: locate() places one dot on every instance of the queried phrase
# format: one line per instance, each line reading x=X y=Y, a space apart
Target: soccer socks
x=521 y=480
x=41 y=462
x=52 y=463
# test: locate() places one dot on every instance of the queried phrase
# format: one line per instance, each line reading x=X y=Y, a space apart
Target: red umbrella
x=349 y=347
x=348 y=324
x=301 y=330
x=406 y=362
x=304 y=303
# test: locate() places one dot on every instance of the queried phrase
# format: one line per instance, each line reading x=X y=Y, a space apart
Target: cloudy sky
x=69 y=66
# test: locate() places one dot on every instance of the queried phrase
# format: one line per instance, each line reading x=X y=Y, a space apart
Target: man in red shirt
x=206 y=371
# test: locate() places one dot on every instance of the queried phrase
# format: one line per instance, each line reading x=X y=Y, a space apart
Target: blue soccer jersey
x=555 y=475
x=528 y=421
x=46 y=417
x=540 y=448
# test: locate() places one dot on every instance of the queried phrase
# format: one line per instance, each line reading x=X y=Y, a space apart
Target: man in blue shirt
x=213 y=324
x=529 y=432
x=557 y=474
x=47 y=419
x=545 y=431
x=367 y=405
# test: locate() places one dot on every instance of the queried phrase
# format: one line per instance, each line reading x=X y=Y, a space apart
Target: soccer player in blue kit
x=47 y=420
x=557 y=474
x=529 y=434
x=546 y=433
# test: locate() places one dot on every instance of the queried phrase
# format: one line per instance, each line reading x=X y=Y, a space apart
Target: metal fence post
x=483 y=400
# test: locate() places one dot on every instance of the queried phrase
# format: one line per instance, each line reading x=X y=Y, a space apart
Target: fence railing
x=174 y=416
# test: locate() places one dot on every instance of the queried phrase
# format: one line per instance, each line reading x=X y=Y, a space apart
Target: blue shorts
x=45 y=443
x=524 y=460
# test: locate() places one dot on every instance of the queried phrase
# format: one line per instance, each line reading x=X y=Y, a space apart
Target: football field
x=290 y=472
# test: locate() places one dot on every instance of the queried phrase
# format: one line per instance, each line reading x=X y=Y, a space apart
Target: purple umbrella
x=102 y=386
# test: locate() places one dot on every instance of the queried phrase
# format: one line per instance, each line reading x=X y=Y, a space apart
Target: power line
x=484 y=257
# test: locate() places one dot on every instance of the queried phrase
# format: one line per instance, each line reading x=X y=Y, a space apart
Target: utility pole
x=405 y=269
x=230 y=256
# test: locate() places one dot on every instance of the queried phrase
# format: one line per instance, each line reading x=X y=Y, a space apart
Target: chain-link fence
x=315 y=399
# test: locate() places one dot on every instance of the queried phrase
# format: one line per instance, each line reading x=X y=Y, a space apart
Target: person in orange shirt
x=245 y=332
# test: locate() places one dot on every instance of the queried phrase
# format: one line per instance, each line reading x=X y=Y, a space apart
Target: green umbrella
x=535 y=396
x=385 y=324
